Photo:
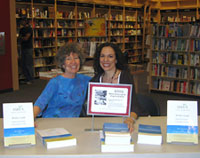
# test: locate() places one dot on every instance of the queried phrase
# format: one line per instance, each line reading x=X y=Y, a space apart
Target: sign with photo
x=109 y=99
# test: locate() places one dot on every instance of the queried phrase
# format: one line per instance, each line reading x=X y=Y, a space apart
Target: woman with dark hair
x=110 y=67
x=64 y=95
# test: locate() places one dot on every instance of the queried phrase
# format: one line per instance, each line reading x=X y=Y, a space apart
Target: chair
x=148 y=105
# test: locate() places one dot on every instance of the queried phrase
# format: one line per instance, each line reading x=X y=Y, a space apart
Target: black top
x=26 y=44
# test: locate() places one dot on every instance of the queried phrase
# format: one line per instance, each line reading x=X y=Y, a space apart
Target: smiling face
x=71 y=65
x=108 y=59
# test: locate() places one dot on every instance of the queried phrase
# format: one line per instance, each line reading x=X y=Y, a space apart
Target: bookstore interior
x=160 y=36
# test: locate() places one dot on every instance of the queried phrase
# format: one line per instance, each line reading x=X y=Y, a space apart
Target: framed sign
x=109 y=99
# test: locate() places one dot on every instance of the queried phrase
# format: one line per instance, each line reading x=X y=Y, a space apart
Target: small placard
x=182 y=122
x=18 y=123
x=2 y=43
x=109 y=99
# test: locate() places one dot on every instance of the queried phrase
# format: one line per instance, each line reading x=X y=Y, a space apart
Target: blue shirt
x=63 y=97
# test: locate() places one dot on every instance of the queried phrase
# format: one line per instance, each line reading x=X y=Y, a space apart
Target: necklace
x=111 y=77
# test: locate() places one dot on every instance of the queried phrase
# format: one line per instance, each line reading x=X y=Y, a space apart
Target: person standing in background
x=26 y=42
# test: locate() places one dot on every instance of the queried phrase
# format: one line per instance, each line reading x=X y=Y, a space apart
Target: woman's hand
x=36 y=111
x=130 y=121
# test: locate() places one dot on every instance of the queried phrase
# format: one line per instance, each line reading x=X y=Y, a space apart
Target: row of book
x=44 y=33
x=115 y=137
x=172 y=44
x=38 y=43
x=170 y=58
x=41 y=23
x=194 y=59
x=195 y=73
x=171 y=30
x=44 y=52
x=171 y=85
x=65 y=14
x=195 y=88
x=176 y=30
x=169 y=71
x=175 y=58
x=183 y=18
x=39 y=62
x=65 y=32
x=23 y=12
x=45 y=12
x=66 y=24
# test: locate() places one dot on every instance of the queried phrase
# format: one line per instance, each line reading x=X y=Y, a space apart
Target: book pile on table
x=149 y=134
x=116 y=137
x=56 y=138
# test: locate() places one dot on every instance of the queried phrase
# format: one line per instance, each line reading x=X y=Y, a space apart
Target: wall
x=5 y=60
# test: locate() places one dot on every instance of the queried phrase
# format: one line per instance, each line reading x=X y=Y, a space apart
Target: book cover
x=149 y=134
x=56 y=137
x=18 y=124
x=182 y=121
x=116 y=128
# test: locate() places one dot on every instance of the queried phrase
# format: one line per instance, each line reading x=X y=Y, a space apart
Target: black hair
x=121 y=64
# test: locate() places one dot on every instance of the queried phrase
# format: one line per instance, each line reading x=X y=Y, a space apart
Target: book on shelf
x=129 y=147
x=56 y=138
x=149 y=134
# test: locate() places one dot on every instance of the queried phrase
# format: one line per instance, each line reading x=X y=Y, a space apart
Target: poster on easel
x=95 y=27
x=182 y=122
x=18 y=124
x=109 y=99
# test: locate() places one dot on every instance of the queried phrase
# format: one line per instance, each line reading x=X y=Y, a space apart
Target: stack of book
x=56 y=138
x=149 y=134
x=116 y=137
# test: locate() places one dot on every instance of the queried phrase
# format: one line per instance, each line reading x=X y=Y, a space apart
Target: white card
x=18 y=115
x=182 y=122
x=18 y=122
x=182 y=113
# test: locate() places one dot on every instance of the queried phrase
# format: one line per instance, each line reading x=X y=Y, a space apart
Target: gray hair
x=66 y=50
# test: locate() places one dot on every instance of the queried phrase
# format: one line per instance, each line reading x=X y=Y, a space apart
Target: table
x=88 y=144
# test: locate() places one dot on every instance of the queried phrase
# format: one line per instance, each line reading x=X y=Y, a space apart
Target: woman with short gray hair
x=65 y=94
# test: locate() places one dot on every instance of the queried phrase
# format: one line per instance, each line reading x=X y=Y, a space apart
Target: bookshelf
x=56 y=22
x=175 y=36
x=44 y=46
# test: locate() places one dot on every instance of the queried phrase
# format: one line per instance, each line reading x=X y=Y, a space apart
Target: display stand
x=92 y=129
